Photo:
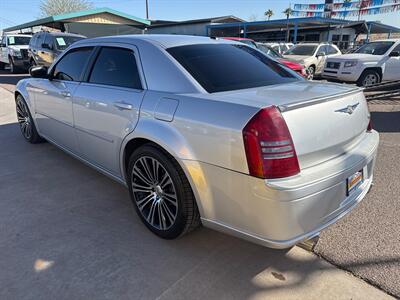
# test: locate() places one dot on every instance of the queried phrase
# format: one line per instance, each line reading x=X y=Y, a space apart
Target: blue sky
x=13 y=12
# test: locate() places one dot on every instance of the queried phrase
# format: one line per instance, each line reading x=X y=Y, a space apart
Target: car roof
x=162 y=40
x=56 y=33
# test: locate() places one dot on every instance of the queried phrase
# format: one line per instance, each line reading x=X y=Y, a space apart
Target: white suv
x=370 y=64
x=312 y=55
x=14 y=52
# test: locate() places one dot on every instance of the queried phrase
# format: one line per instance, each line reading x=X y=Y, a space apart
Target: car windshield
x=63 y=42
x=269 y=51
x=225 y=67
x=18 y=40
x=375 y=48
x=304 y=50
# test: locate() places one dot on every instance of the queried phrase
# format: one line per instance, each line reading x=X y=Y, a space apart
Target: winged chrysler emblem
x=349 y=109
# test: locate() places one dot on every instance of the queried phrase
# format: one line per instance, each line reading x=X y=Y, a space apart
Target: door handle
x=123 y=106
x=65 y=94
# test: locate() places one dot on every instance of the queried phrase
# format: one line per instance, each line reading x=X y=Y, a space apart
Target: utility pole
x=147 y=9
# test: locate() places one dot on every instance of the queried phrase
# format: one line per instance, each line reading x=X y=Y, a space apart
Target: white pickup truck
x=372 y=63
x=14 y=52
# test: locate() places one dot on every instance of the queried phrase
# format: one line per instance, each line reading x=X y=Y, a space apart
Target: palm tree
x=269 y=13
x=288 y=12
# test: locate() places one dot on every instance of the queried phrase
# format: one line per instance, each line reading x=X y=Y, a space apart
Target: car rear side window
x=116 y=67
x=72 y=65
x=224 y=67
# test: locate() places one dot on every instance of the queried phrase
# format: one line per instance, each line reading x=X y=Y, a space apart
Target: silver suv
x=45 y=47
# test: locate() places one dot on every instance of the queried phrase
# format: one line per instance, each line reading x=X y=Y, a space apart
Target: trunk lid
x=324 y=120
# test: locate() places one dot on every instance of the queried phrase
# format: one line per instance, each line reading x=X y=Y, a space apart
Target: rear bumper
x=282 y=213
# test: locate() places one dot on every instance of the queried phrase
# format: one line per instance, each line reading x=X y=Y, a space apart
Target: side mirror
x=39 y=72
x=394 y=54
x=321 y=54
x=46 y=46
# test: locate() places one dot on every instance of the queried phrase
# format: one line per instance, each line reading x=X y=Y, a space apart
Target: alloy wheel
x=154 y=193
x=370 y=79
x=24 y=119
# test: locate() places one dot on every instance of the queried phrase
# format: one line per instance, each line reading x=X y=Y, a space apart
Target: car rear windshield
x=305 y=50
x=63 y=42
x=225 y=67
x=18 y=40
x=375 y=48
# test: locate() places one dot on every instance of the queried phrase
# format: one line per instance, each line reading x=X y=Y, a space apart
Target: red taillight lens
x=269 y=147
x=369 y=127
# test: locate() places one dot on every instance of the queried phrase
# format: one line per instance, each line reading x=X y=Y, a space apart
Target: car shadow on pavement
x=68 y=230
x=386 y=121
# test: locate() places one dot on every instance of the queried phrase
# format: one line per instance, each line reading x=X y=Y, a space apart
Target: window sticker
x=61 y=41
x=11 y=40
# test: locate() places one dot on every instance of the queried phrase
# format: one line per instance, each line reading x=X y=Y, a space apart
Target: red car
x=271 y=52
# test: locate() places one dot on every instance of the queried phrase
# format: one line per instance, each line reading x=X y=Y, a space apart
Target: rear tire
x=161 y=193
x=368 y=78
x=25 y=120
x=2 y=65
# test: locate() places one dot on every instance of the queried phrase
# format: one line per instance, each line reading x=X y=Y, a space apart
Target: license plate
x=354 y=181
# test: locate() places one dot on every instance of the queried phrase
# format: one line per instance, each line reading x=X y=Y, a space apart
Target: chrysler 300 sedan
x=205 y=131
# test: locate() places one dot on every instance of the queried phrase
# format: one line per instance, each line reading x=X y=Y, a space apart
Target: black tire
x=2 y=65
x=151 y=197
x=26 y=124
x=369 y=77
x=13 y=68
x=311 y=69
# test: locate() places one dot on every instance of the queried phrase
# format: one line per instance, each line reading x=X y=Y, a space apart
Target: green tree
x=269 y=13
x=57 y=7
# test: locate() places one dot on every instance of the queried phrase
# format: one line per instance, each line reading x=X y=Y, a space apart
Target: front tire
x=13 y=68
x=26 y=124
x=368 y=78
x=2 y=65
x=161 y=193
x=311 y=70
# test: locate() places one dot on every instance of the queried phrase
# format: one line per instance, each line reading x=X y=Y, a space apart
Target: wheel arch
x=376 y=69
x=168 y=141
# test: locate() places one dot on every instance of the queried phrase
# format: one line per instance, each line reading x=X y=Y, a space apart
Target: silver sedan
x=206 y=131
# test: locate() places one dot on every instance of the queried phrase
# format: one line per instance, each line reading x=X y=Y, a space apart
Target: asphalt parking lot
x=69 y=232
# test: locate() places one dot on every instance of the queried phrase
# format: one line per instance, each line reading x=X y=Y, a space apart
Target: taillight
x=269 y=146
x=369 y=127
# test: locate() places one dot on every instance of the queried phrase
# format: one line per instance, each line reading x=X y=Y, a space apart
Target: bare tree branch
x=57 y=7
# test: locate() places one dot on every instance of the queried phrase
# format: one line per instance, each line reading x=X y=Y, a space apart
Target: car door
x=321 y=58
x=53 y=98
x=37 y=47
x=392 y=66
x=47 y=49
x=106 y=106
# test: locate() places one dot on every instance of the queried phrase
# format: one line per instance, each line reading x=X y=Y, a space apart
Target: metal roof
x=54 y=21
x=224 y=19
x=376 y=27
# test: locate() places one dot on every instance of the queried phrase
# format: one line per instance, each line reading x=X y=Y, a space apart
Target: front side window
x=18 y=40
x=116 y=67
x=71 y=65
x=375 y=48
x=225 y=67
x=322 y=50
x=302 y=50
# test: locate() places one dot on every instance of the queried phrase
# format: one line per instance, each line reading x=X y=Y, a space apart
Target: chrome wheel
x=154 y=193
x=24 y=119
x=370 y=79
